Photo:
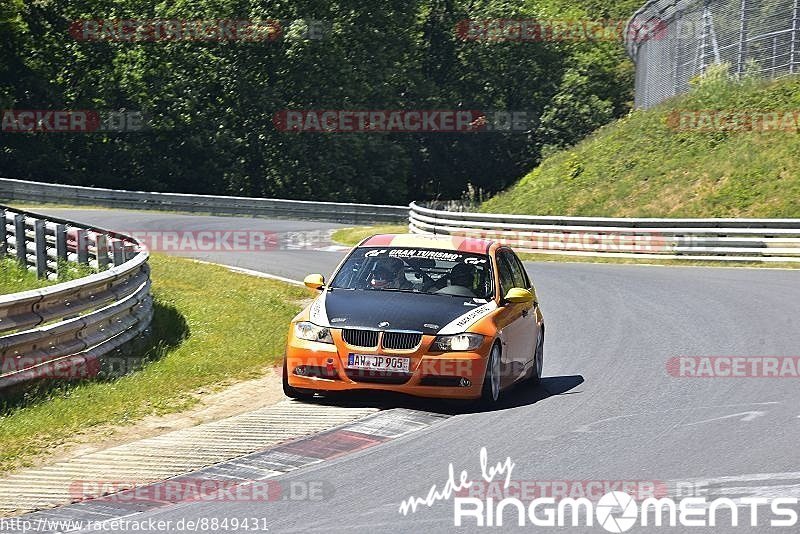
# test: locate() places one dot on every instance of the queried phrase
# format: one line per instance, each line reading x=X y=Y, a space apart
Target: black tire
x=292 y=392
x=490 y=392
x=538 y=360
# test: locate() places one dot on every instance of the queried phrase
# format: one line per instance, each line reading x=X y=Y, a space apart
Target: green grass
x=640 y=166
x=28 y=205
x=213 y=327
x=352 y=236
x=14 y=278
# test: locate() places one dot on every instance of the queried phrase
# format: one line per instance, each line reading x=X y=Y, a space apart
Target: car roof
x=440 y=242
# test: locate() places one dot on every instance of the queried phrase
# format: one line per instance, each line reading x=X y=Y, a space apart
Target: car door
x=511 y=321
x=530 y=327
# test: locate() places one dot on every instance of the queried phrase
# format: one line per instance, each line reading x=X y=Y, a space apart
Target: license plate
x=377 y=362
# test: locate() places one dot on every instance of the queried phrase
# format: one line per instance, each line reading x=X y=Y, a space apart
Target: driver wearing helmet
x=389 y=273
x=464 y=275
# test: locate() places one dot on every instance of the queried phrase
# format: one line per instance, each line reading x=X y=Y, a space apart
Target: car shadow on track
x=522 y=394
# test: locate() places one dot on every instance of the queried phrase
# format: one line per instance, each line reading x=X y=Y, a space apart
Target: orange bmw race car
x=431 y=316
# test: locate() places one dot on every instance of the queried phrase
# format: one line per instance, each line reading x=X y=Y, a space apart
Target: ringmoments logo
x=617 y=510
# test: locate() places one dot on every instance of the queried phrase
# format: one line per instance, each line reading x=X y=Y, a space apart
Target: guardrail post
x=795 y=35
x=118 y=252
x=742 y=55
x=82 y=246
x=3 y=235
x=774 y=55
x=676 y=71
x=101 y=243
x=61 y=242
x=40 y=242
x=78 y=331
x=21 y=240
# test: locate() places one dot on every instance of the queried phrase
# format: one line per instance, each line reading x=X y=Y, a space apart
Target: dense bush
x=209 y=105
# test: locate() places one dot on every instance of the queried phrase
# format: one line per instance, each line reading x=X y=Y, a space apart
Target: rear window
x=416 y=270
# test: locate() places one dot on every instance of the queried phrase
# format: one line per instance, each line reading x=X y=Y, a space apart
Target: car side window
x=518 y=278
x=519 y=269
x=505 y=272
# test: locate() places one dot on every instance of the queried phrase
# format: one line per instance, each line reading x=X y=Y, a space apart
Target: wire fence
x=673 y=41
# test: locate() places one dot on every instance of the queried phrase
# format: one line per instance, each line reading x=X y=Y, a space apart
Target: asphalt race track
x=607 y=410
x=286 y=254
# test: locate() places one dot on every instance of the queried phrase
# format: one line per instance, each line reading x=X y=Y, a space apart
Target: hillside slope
x=647 y=165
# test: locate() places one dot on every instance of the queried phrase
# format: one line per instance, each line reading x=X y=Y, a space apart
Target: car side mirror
x=315 y=281
x=518 y=295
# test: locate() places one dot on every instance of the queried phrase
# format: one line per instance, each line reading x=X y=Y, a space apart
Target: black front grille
x=360 y=338
x=377 y=377
x=401 y=340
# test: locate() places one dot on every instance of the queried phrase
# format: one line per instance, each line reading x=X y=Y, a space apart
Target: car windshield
x=417 y=270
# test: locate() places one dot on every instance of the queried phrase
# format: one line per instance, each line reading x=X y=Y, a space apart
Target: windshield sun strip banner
x=427 y=253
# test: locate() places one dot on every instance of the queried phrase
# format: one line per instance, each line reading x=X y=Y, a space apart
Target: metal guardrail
x=350 y=213
x=62 y=331
x=758 y=240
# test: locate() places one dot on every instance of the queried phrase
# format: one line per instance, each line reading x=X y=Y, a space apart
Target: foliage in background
x=211 y=104
x=640 y=166
x=353 y=236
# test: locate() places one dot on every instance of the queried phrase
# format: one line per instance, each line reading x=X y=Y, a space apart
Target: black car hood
x=402 y=310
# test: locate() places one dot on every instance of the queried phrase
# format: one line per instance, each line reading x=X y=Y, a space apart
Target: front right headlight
x=311 y=332
x=457 y=342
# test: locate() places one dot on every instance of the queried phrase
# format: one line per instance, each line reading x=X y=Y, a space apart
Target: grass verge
x=14 y=278
x=27 y=205
x=352 y=236
x=654 y=163
x=213 y=327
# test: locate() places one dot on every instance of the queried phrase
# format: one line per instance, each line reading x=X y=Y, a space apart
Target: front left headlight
x=311 y=332
x=457 y=342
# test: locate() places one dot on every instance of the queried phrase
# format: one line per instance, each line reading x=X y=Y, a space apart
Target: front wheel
x=293 y=392
x=538 y=359
x=490 y=393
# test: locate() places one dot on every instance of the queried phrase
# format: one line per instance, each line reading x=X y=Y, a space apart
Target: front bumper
x=323 y=367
